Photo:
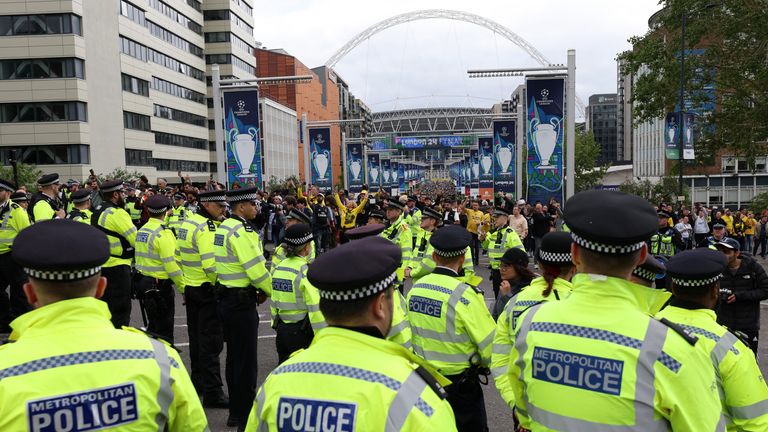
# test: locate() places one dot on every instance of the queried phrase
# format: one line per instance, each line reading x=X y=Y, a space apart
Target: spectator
x=700 y=227
x=749 y=232
x=737 y=232
x=541 y=225
x=686 y=233
x=761 y=236
x=518 y=223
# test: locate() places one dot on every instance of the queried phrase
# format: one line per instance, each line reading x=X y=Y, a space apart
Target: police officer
x=397 y=231
x=598 y=361
x=651 y=270
x=81 y=200
x=413 y=218
x=244 y=282
x=375 y=216
x=69 y=368
x=496 y=242
x=156 y=263
x=695 y=281
x=111 y=218
x=133 y=205
x=21 y=198
x=554 y=259
x=194 y=244
x=667 y=241
x=293 y=217
x=452 y=328
x=350 y=378
x=295 y=312
x=422 y=263
x=13 y=219
x=178 y=212
x=719 y=234
x=46 y=203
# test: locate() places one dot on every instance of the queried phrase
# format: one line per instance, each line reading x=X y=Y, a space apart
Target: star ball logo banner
x=241 y=131
x=485 y=154
x=401 y=176
x=475 y=169
x=673 y=127
x=544 y=135
x=374 y=176
x=320 y=158
x=386 y=173
x=355 y=168
x=504 y=137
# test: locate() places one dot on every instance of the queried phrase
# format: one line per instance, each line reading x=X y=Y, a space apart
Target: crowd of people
x=608 y=313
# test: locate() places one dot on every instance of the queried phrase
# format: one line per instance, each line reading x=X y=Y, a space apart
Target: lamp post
x=681 y=121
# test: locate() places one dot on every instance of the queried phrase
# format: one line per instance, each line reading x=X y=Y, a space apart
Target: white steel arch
x=443 y=14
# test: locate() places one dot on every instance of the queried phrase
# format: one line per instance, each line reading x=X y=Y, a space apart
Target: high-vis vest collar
x=80 y=312
x=610 y=289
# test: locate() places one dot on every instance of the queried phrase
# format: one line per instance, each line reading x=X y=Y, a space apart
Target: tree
x=28 y=175
x=120 y=174
x=759 y=203
x=288 y=183
x=726 y=44
x=587 y=151
x=665 y=191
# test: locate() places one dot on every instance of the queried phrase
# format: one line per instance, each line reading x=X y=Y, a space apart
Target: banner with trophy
x=395 y=180
x=485 y=155
x=355 y=172
x=671 y=137
x=241 y=131
x=544 y=134
x=386 y=173
x=504 y=137
x=320 y=158
x=688 y=139
x=475 y=169
x=373 y=172
x=401 y=177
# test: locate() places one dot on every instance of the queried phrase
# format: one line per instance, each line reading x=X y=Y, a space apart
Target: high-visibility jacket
x=293 y=296
x=400 y=234
x=496 y=243
x=414 y=221
x=350 y=381
x=743 y=391
x=661 y=244
x=134 y=212
x=13 y=219
x=400 y=332
x=70 y=369
x=43 y=208
x=452 y=328
x=240 y=259
x=422 y=263
x=280 y=253
x=121 y=232
x=156 y=253
x=599 y=361
x=80 y=215
x=194 y=248
x=505 y=325
x=176 y=217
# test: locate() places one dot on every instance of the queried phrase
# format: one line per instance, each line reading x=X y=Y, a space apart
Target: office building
x=601 y=121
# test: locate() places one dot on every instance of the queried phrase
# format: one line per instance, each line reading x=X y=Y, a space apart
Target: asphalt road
x=499 y=416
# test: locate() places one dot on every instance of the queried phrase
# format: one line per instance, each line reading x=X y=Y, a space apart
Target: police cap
x=718 y=225
x=500 y=211
x=298 y=215
x=663 y=215
x=158 y=204
x=364 y=231
x=179 y=196
x=450 y=241
x=19 y=197
x=728 y=243
x=242 y=194
x=53 y=262
x=395 y=204
x=592 y=215
x=515 y=256
x=80 y=195
x=376 y=213
x=48 y=179
x=555 y=249
x=298 y=235
x=412 y=198
x=700 y=267
x=7 y=186
x=651 y=269
x=212 y=196
x=110 y=186
x=431 y=213
x=355 y=270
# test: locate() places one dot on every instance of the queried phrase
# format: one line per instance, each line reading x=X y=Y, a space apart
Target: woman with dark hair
x=515 y=275
x=554 y=259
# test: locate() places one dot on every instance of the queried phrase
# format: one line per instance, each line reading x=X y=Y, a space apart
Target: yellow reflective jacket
x=70 y=369
x=422 y=263
x=599 y=361
x=497 y=242
x=13 y=219
x=350 y=381
x=293 y=297
x=194 y=247
x=280 y=253
x=400 y=332
x=80 y=215
x=399 y=234
x=156 y=253
x=121 y=235
x=240 y=259
x=742 y=387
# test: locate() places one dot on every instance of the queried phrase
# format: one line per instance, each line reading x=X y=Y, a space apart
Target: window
x=133 y=49
x=195 y=4
x=179 y=116
x=42 y=112
x=135 y=85
x=177 y=90
x=177 y=16
x=217 y=37
x=141 y=52
x=42 y=68
x=244 y=6
x=173 y=39
x=133 y=13
x=136 y=121
x=230 y=59
x=180 y=141
x=182 y=165
x=24 y=25
x=48 y=154
x=216 y=15
x=138 y=158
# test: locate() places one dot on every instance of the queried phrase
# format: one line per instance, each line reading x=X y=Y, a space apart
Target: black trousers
x=240 y=321
x=495 y=282
x=475 y=247
x=206 y=339
x=117 y=295
x=466 y=399
x=292 y=337
x=157 y=297
x=14 y=303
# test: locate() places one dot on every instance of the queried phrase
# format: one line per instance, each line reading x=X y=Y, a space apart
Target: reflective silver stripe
x=6 y=240
x=395 y=330
x=444 y=357
x=521 y=345
x=750 y=411
x=252 y=262
x=298 y=316
x=195 y=264
x=129 y=231
x=645 y=377
x=723 y=345
x=230 y=259
x=562 y=423
x=261 y=278
x=284 y=305
x=499 y=371
x=263 y=426
x=143 y=268
x=165 y=392
x=208 y=255
x=319 y=325
x=441 y=336
x=167 y=259
x=175 y=274
x=291 y=270
x=404 y=402
x=721 y=424
x=502 y=348
x=313 y=308
x=233 y=276
x=187 y=250
x=485 y=342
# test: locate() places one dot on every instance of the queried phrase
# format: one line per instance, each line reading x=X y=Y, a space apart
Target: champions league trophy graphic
x=320 y=160
x=475 y=169
x=504 y=157
x=688 y=133
x=544 y=136
x=385 y=173
x=393 y=174
x=374 y=175
x=244 y=149
x=672 y=128
x=354 y=168
x=486 y=162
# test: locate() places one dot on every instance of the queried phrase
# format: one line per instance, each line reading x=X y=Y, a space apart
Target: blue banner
x=386 y=171
x=374 y=174
x=475 y=168
x=429 y=142
x=689 y=129
x=401 y=177
x=504 y=140
x=241 y=131
x=355 y=167
x=544 y=135
x=320 y=159
x=672 y=135
x=485 y=155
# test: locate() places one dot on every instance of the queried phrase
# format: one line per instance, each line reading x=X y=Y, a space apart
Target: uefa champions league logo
x=241 y=104
x=319 y=139
x=544 y=94
x=241 y=111
x=504 y=131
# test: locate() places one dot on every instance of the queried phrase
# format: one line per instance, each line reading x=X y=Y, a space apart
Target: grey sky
x=424 y=63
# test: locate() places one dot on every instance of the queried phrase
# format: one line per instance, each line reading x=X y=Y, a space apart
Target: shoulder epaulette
x=15 y=206
x=211 y=225
x=149 y=334
x=688 y=336
x=432 y=382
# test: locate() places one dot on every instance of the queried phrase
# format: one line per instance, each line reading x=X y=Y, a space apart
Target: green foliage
x=28 y=175
x=287 y=183
x=665 y=191
x=759 y=203
x=587 y=151
x=731 y=39
x=120 y=174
